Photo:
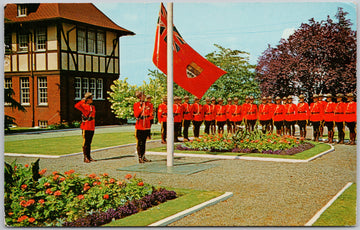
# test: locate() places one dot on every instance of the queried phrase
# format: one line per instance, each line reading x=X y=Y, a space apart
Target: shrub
x=32 y=199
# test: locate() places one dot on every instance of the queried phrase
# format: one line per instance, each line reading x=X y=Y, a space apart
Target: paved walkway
x=265 y=193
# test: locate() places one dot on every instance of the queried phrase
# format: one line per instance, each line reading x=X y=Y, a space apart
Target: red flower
x=106 y=196
x=70 y=172
x=10 y=213
x=31 y=220
x=22 y=218
x=30 y=202
x=41 y=201
x=47 y=184
x=86 y=186
x=112 y=180
x=55 y=172
x=23 y=203
x=119 y=183
x=62 y=179
x=92 y=175
x=26 y=165
x=57 y=193
x=141 y=183
x=128 y=176
x=42 y=172
x=80 y=197
x=55 y=177
x=48 y=191
x=24 y=186
x=105 y=174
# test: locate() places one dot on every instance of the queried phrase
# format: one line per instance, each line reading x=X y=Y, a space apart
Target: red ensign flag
x=191 y=71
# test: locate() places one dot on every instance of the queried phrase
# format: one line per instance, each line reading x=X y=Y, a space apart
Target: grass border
x=187 y=198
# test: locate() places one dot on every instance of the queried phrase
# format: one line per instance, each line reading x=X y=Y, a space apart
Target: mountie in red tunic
x=350 y=112
x=196 y=111
x=303 y=111
x=142 y=113
x=279 y=113
x=178 y=112
x=220 y=111
x=264 y=112
x=316 y=112
x=162 y=112
x=251 y=113
x=329 y=111
x=339 y=112
x=186 y=107
x=208 y=112
x=88 y=112
x=291 y=112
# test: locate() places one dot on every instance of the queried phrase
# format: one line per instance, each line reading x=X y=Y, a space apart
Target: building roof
x=79 y=12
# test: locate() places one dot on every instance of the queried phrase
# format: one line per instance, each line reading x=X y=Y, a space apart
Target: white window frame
x=77 y=86
x=23 y=41
x=21 y=10
x=84 y=85
x=92 y=87
x=42 y=91
x=24 y=91
x=81 y=40
x=41 y=39
x=100 y=42
x=7 y=85
x=43 y=124
x=91 y=41
x=99 y=88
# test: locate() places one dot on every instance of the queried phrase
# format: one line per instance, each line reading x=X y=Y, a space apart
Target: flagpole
x=170 y=116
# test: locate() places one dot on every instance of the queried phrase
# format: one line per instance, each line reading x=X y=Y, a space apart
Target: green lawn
x=187 y=199
x=319 y=147
x=342 y=212
x=70 y=144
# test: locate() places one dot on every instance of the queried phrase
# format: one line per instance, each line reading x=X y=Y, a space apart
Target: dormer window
x=22 y=10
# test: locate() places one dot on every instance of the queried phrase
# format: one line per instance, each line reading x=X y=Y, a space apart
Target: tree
x=320 y=57
x=122 y=98
x=9 y=100
x=240 y=78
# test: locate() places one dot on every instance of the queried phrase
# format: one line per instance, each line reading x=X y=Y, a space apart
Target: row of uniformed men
x=284 y=114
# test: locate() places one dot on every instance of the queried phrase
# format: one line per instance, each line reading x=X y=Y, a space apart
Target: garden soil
x=265 y=193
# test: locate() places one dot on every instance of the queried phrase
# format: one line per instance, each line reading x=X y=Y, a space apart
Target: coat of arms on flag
x=191 y=71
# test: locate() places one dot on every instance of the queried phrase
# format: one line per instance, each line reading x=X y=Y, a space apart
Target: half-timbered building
x=54 y=53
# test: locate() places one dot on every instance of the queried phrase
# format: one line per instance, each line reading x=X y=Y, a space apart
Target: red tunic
x=350 y=112
x=213 y=106
x=220 y=113
x=291 y=112
x=264 y=112
x=142 y=113
x=162 y=112
x=316 y=112
x=208 y=113
x=339 y=112
x=244 y=109
x=196 y=111
x=251 y=113
x=88 y=111
x=186 y=111
x=329 y=111
x=235 y=113
x=303 y=111
x=228 y=111
x=279 y=113
x=178 y=113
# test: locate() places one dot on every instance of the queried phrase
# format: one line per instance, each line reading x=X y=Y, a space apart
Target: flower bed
x=67 y=199
x=247 y=142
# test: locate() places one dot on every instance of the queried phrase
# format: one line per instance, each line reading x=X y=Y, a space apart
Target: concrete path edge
x=178 y=216
x=323 y=209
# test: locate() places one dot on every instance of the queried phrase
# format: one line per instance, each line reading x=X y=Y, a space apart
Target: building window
x=8 y=85
x=92 y=85
x=42 y=91
x=77 y=85
x=81 y=40
x=84 y=85
x=100 y=43
x=22 y=10
x=24 y=91
x=8 y=43
x=91 y=42
x=99 y=88
x=43 y=124
x=40 y=37
x=23 y=41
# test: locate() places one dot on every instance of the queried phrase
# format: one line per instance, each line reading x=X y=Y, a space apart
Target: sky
x=245 y=26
